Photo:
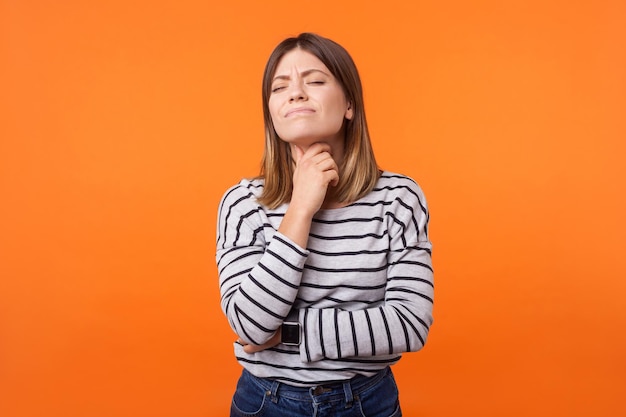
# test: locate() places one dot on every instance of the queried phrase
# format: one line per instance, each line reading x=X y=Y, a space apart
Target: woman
x=324 y=261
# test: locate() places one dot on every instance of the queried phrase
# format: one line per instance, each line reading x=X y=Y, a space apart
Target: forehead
x=299 y=60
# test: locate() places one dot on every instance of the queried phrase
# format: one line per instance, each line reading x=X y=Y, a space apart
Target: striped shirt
x=363 y=287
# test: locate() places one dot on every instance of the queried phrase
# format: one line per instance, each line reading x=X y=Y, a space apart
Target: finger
x=333 y=177
x=335 y=180
x=320 y=159
x=324 y=162
x=255 y=348
x=319 y=147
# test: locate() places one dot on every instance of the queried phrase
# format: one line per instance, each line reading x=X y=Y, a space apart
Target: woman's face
x=306 y=102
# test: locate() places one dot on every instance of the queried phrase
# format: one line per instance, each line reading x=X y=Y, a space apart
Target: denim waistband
x=347 y=389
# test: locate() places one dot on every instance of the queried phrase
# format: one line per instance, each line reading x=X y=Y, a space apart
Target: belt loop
x=347 y=389
x=274 y=391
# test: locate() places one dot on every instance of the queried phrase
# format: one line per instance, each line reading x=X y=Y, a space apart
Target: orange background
x=122 y=123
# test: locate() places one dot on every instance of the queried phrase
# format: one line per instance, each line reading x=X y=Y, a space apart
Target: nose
x=297 y=92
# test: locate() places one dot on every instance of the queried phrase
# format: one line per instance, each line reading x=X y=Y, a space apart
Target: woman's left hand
x=273 y=341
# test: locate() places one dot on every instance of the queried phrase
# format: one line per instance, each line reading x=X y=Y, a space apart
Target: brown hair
x=358 y=170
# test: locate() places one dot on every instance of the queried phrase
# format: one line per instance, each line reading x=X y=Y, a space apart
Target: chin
x=304 y=142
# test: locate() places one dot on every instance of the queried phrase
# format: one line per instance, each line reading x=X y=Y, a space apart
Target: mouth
x=300 y=110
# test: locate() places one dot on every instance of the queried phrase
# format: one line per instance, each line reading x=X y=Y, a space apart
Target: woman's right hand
x=315 y=171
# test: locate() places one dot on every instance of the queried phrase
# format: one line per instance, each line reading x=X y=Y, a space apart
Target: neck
x=331 y=201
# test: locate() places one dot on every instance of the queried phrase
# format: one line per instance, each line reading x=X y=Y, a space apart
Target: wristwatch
x=290 y=330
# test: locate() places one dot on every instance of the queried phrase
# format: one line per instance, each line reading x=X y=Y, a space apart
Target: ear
x=349 y=112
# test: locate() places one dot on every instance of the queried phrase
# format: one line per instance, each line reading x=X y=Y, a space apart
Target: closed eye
x=277 y=89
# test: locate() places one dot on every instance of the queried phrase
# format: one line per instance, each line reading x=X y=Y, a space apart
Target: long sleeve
x=401 y=322
x=259 y=276
x=363 y=286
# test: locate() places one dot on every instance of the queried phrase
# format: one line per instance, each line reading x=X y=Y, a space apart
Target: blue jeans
x=375 y=396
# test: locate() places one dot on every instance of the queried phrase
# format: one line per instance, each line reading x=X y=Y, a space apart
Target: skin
x=308 y=109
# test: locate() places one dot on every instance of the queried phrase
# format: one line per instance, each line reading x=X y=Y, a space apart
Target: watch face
x=291 y=334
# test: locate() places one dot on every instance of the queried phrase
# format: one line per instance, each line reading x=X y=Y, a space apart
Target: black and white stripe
x=363 y=286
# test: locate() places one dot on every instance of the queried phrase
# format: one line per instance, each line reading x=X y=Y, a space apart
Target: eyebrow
x=303 y=74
